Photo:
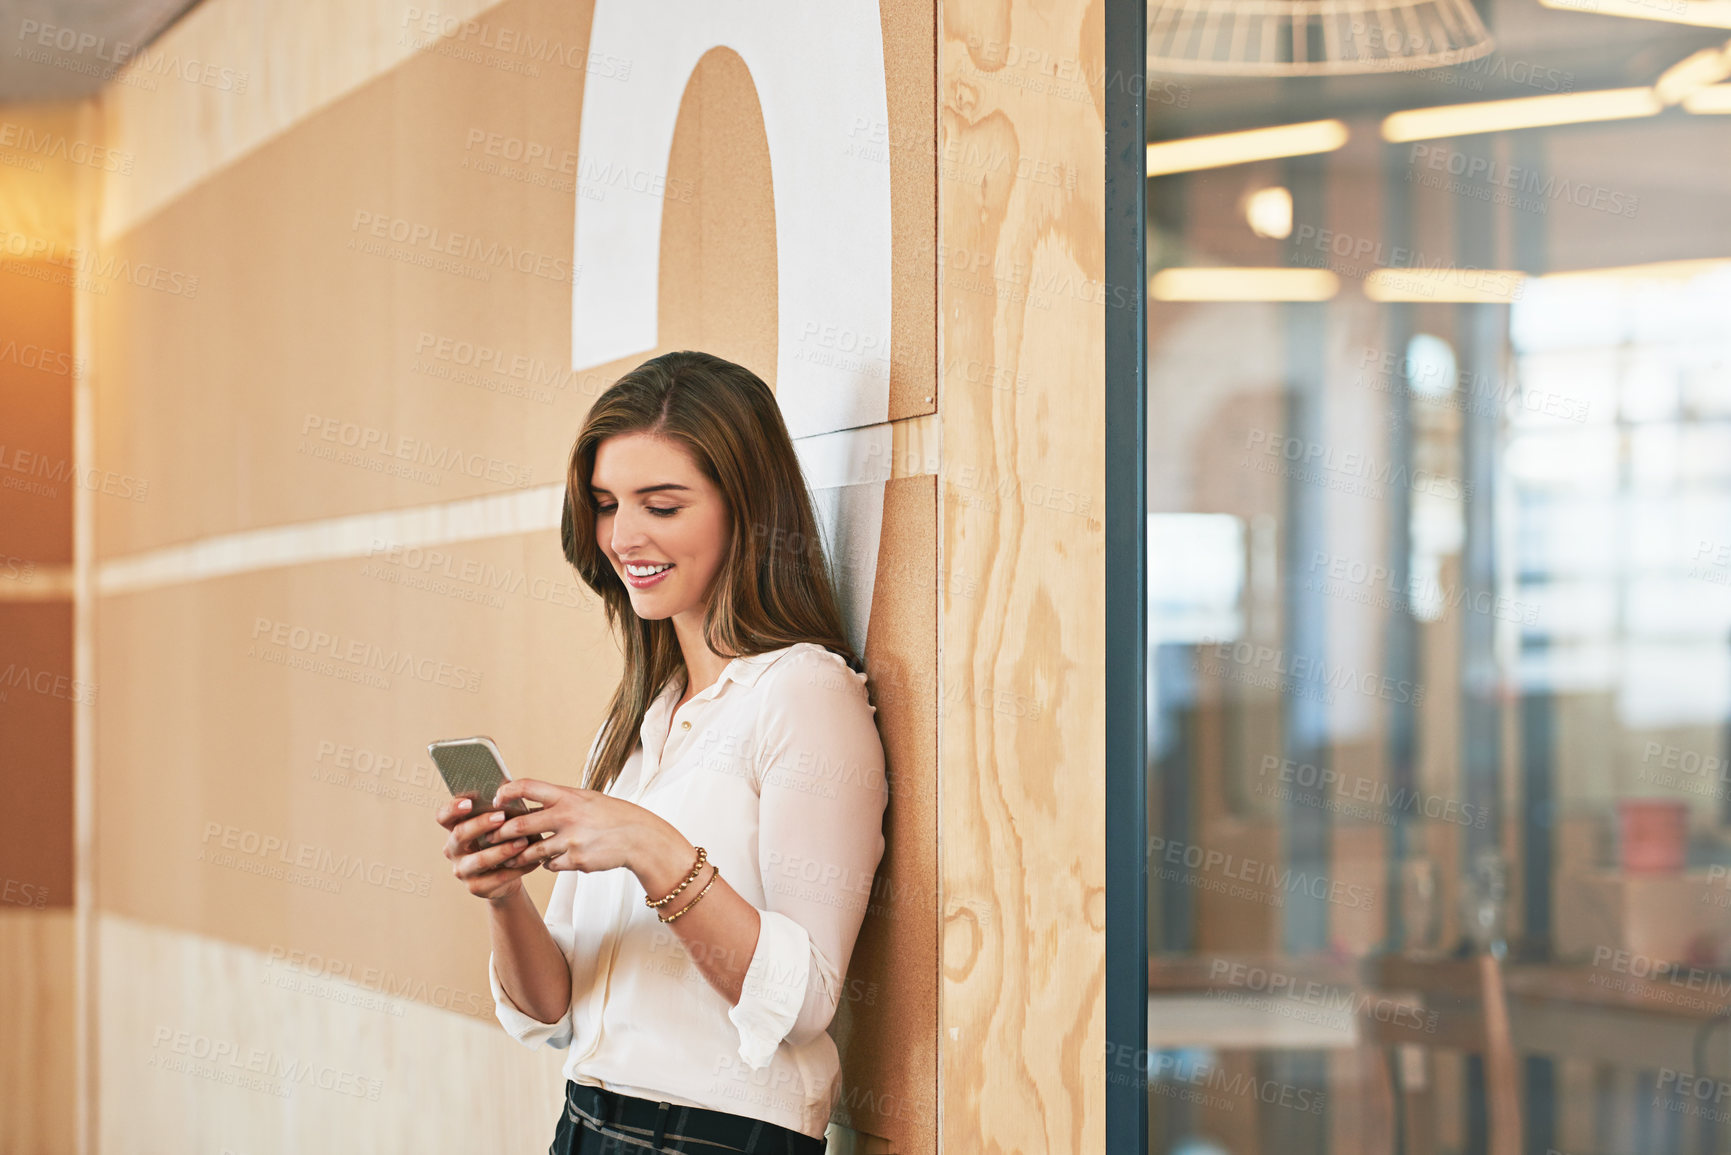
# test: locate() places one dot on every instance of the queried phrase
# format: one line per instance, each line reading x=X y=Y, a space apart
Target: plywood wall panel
x=264 y=381
x=36 y=1036
x=250 y=766
x=36 y=366
x=242 y=1051
x=38 y=697
x=1022 y=733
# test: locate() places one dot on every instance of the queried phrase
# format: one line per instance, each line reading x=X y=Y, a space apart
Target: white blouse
x=778 y=771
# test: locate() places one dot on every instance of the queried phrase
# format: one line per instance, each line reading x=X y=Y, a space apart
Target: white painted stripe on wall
x=355 y=535
x=45 y=583
x=830 y=461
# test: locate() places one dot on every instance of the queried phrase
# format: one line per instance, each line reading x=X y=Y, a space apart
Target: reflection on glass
x=1440 y=598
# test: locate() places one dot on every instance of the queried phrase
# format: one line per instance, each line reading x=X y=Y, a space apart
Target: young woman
x=716 y=864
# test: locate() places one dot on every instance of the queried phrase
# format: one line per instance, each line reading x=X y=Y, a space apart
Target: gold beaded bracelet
x=712 y=877
x=702 y=856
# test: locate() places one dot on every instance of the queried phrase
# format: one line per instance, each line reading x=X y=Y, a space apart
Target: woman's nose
x=627 y=532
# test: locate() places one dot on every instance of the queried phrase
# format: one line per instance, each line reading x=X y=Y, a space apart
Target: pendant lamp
x=1311 y=37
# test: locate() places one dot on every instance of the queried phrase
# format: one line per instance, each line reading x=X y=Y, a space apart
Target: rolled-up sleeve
x=823 y=792
x=532 y=1032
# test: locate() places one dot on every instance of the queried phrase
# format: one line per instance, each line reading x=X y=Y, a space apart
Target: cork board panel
x=910 y=142
x=1022 y=1058
x=36 y=367
x=372 y=309
x=888 y=1034
x=38 y=695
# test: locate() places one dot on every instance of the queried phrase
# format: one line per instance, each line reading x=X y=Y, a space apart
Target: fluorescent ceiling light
x=1701 y=13
x=1199 y=152
x=1445 y=286
x=1655 y=271
x=1231 y=284
x=1716 y=98
x=1522 y=112
x=1692 y=73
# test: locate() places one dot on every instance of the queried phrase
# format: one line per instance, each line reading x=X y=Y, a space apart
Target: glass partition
x=1439 y=579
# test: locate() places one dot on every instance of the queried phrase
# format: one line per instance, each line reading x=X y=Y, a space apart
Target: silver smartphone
x=474 y=766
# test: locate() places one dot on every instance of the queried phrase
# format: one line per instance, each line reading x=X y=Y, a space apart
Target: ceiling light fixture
x=1311 y=37
x=1522 y=112
x=1700 y=13
x=1693 y=73
x=1451 y=286
x=1268 y=212
x=1227 y=148
x=1242 y=284
x=1713 y=99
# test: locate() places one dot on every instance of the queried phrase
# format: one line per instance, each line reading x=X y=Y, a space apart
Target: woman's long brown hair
x=773 y=588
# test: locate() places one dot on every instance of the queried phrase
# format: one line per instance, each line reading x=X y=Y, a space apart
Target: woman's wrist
x=662 y=860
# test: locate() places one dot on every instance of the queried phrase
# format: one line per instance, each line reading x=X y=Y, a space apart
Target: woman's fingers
x=483 y=826
x=455 y=810
x=533 y=789
x=535 y=823
x=482 y=861
x=538 y=853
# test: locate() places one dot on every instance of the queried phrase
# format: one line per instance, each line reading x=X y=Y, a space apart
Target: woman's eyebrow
x=645 y=489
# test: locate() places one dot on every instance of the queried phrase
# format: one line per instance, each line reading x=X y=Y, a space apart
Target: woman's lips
x=643 y=583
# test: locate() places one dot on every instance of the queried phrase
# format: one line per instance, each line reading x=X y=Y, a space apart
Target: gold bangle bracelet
x=715 y=875
x=697 y=868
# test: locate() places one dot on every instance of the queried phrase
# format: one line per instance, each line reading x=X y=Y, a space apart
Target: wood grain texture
x=1022 y=725
x=278 y=62
x=37 y=1041
x=205 y=396
x=210 y=1046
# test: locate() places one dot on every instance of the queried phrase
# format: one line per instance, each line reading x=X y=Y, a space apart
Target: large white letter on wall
x=819 y=73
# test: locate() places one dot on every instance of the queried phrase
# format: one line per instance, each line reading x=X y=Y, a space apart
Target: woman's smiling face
x=655 y=510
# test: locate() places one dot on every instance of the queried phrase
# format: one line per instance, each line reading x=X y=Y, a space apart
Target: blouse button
x=685 y=725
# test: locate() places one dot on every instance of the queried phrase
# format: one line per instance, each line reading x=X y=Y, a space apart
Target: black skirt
x=599 y=1122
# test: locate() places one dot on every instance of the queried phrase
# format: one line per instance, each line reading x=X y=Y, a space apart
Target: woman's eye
x=664 y=511
x=603 y=509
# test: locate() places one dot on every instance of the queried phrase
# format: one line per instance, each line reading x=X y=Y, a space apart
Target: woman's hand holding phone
x=478 y=865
